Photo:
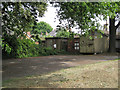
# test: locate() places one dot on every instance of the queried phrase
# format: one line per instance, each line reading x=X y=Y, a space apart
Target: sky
x=50 y=15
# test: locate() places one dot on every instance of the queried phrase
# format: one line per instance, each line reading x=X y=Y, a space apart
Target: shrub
x=19 y=48
x=26 y=48
x=49 y=51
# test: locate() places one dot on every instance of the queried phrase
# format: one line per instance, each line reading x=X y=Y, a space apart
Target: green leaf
x=90 y=37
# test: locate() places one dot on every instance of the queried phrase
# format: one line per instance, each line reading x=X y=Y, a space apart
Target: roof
x=61 y=38
x=56 y=38
x=53 y=33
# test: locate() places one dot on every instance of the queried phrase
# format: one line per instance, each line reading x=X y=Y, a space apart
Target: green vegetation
x=98 y=75
x=26 y=48
x=42 y=28
x=20 y=16
x=83 y=13
x=91 y=33
x=62 y=32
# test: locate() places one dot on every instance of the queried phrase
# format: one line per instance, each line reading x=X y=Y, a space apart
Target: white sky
x=50 y=15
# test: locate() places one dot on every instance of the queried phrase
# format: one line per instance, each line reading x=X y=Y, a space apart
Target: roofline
x=61 y=38
x=56 y=38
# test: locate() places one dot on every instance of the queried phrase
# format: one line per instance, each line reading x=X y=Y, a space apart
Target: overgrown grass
x=99 y=75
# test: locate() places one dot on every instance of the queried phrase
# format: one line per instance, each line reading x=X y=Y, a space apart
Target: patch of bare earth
x=99 y=75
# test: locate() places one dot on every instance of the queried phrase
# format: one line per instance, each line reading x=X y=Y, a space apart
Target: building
x=81 y=44
x=73 y=44
x=53 y=33
x=96 y=42
x=57 y=43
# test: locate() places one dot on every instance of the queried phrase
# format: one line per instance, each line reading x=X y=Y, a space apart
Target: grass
x=99 y=75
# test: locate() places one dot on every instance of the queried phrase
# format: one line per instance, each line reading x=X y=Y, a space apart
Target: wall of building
x=118 y=31
x=101 y=44
x=86 y=45
x=82 y=44
x=56 y=43
x=95 y=45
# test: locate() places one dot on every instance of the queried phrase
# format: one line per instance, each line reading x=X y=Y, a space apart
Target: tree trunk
x=112 y=36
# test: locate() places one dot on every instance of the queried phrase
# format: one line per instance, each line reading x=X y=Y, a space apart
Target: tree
x=17 y=18
x=42 y=27
x=113 y=27
x=62 y=32
x=83 y=13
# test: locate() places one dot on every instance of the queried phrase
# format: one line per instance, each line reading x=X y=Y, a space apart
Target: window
x=76 y=45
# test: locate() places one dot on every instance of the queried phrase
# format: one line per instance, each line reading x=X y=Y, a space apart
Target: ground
x=38 y=66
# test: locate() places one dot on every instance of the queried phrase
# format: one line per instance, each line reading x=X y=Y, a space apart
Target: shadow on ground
x=13 y=68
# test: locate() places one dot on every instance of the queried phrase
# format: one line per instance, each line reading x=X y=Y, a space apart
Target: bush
x=45 y=51
x=49 y=51
x=19 y=48
x=26 y=48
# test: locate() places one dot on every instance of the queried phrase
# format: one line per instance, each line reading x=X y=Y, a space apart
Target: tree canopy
x=62 y=32
x=17 y=18
x=42 y=27
x=83 y=13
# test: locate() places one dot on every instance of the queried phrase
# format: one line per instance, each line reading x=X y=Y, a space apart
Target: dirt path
x=40 y=65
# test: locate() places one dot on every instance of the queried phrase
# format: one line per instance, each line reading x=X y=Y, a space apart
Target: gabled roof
x=53 y=33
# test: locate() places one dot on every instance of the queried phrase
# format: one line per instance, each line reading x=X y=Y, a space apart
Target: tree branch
x=117 y=25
